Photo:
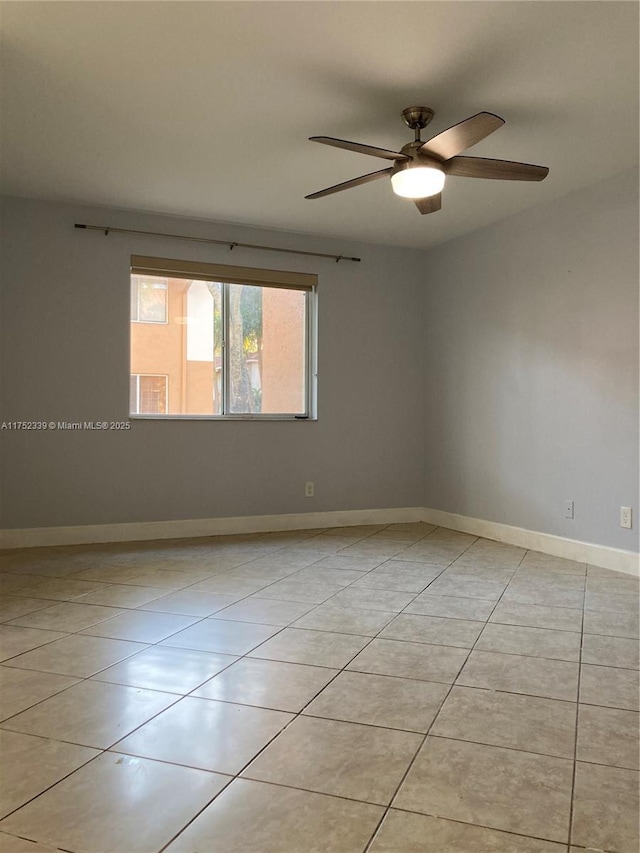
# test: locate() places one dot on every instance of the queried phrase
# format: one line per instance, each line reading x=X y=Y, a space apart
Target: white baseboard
x=557 y=546
x=35 y=537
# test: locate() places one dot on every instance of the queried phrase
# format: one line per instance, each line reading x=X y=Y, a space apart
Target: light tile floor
x=396 y=688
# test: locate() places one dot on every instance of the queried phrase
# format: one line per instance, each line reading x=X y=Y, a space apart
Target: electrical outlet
x=625 y=517
x=568 y=509
x=309 y=490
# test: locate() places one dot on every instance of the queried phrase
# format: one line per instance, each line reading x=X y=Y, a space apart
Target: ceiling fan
x=420 y=168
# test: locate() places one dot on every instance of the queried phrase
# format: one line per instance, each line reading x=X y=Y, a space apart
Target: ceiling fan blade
x=360 y=149
x=501 y=170
x=461 y=136
x=355 y=182
x=429 y=205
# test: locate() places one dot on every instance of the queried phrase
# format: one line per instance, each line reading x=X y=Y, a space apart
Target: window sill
x=289 y=418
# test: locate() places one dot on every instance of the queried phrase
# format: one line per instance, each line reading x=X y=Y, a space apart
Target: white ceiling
x=204 y=108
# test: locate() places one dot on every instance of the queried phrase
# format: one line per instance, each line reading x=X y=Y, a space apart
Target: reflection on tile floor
x=388 y=689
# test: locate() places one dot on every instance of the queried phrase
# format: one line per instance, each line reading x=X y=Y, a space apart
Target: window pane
x=201 y=379
x=245 y=349
x=153 y=395
x=177 y=366
x=267 y=354
x=151 y=299
x=187 y=350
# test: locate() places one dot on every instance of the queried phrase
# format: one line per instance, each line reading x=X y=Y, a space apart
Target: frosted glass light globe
x=418 y=182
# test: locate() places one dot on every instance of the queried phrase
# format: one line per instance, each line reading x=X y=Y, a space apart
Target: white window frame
x=137 y=377
x=225 y=275
x=166 y=303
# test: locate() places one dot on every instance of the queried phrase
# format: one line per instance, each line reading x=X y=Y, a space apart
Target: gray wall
x=532 y=367
x=65 y=357
x=495 y=376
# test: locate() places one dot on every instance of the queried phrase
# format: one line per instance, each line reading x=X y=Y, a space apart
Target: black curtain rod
x=231 y=244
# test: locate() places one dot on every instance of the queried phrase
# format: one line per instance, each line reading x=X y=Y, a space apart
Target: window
x=148 y=299
x=236 y=342
x=148 y=395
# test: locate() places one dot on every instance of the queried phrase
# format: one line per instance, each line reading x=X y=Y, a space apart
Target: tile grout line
x=249 y=595
x=285 y=727
x=198 y=621
x=301 y=711
x=178 y=696
x=372 y=839
x=102 y=751
x=171 y=591
x=367 y=847
x=575 y=744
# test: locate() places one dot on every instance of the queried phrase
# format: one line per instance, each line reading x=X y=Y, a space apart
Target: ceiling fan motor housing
x=417 y=158
x=417 y=117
